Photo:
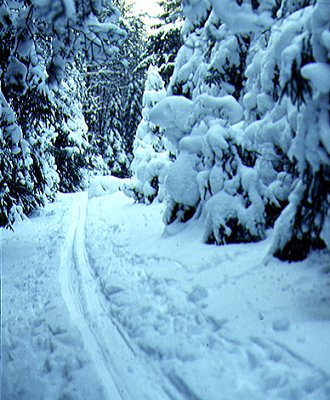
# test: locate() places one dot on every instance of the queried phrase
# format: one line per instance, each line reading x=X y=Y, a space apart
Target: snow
x=320 y=25
x=16 y=75
x=100 y=301
x=172 y=113
x=42 y=351
x=151 y=159
x=181 y=180
x=195 y=10
x=227 y=107
x=319 y=75
x=240 y=19
x=70 y=8
x=326 y=230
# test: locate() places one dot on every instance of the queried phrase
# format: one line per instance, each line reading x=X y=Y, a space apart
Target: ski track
x=114 y=359
x=128 y=371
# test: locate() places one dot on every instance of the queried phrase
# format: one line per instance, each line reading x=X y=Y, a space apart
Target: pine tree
x=71 y=147
x=28 y=177
x=151 y=159
x=211 y=155
x=133 y=110
x=236 y=136
x=133 y=52
x=112 y=105
x=305 y=223
x=165 y=40
x=35 y=37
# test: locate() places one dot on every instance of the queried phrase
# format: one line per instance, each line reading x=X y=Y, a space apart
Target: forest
x=221 y=110
x=164 y=200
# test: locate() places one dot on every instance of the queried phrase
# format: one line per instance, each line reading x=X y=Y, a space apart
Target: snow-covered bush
x=151 y=159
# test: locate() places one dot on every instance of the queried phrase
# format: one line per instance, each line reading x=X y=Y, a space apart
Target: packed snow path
x=134 y=312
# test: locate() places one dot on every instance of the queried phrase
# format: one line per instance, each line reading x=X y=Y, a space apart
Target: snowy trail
x=71 y=282
x=114 y=360
x=196 y=319
x=100 y=304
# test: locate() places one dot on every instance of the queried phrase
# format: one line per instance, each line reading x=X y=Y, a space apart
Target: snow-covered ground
x=99 y=301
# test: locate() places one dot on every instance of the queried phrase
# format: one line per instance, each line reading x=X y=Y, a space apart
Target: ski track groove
x=299 y=358
x=71 y=282
x=86 y=304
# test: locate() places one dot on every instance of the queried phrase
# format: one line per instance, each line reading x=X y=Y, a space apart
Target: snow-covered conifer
x=133 y=110
x=28 y=172
x=213 y=173
x=234 y=114
x=112 y=105
x=71 y=147
x=305 y=223
x=151 y=159
x=38 y=39
x=164 y=40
